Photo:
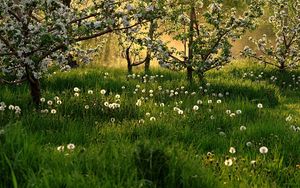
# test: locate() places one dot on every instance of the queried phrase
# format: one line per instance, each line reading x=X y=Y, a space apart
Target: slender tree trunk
x=35 y=87
x=153 y=26
x=282 y=67
x=147 y=65
x=129 y=69
x=129 y=64
x=190 y=45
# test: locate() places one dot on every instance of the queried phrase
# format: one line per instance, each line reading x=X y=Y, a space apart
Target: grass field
x=239 y=128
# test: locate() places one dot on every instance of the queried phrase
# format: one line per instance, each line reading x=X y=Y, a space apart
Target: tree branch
x=105 y=32
x=3 y=81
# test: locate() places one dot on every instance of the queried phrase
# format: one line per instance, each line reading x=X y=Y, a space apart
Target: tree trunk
x=189 y=65
x=35 y=89
x=190 y=74
x=147 y=64
x=153 y=26
x=282 y=67
x=34 y=86
x=129 y=64
x=129 y=68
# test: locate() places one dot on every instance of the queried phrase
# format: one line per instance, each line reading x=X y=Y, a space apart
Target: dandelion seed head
x=49 y=102
x=60 y=148
x=196 y=108
x=232 y=150
x=263 y=150
x=71 y=146
x=243 y=128
x=103 y=91
x=228 y=162
x=53 y=111
x=76 y=89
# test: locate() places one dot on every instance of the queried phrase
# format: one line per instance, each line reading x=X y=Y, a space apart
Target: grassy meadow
x=98 y=127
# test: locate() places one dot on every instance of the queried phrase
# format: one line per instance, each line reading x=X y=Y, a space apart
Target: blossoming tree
x=137 y=41
x=283 y=53
x=206 y=35
x=34 y=34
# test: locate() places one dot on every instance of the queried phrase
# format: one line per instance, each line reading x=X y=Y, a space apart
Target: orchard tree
x=137 y=45
x=133 y=45
x=34 y=34
x=206 y=34
x=283 y=53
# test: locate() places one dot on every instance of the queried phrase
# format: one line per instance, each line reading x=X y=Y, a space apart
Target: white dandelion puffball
x=60 y=148
x=228 y=162
x=263 y=150
x=289 y=118
x=71 y=146
x=103 y=91
x=243 y=128
x=76 y=89
x=49 y=103
x=180 y=112
x=249 y=144
x=11 y=107
x=232 y=150
x=196 y=108
x=199 y=102
x=138 y=102
x=259 y=105
x=238 y=112
x=141 y=121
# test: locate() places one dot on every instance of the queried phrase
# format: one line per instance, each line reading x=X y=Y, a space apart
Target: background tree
x=283 y=53
x=206 y=35
x=137 y=45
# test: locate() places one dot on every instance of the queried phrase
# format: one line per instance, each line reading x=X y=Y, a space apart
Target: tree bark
x=129 y=68
x=153 y=26
x=190 y=45
x=34 y=86
x=35 y=89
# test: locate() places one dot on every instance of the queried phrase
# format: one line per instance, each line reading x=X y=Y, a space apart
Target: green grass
x=123 y=148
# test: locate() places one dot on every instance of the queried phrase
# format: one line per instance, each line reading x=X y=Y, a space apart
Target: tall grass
x=124 y=148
